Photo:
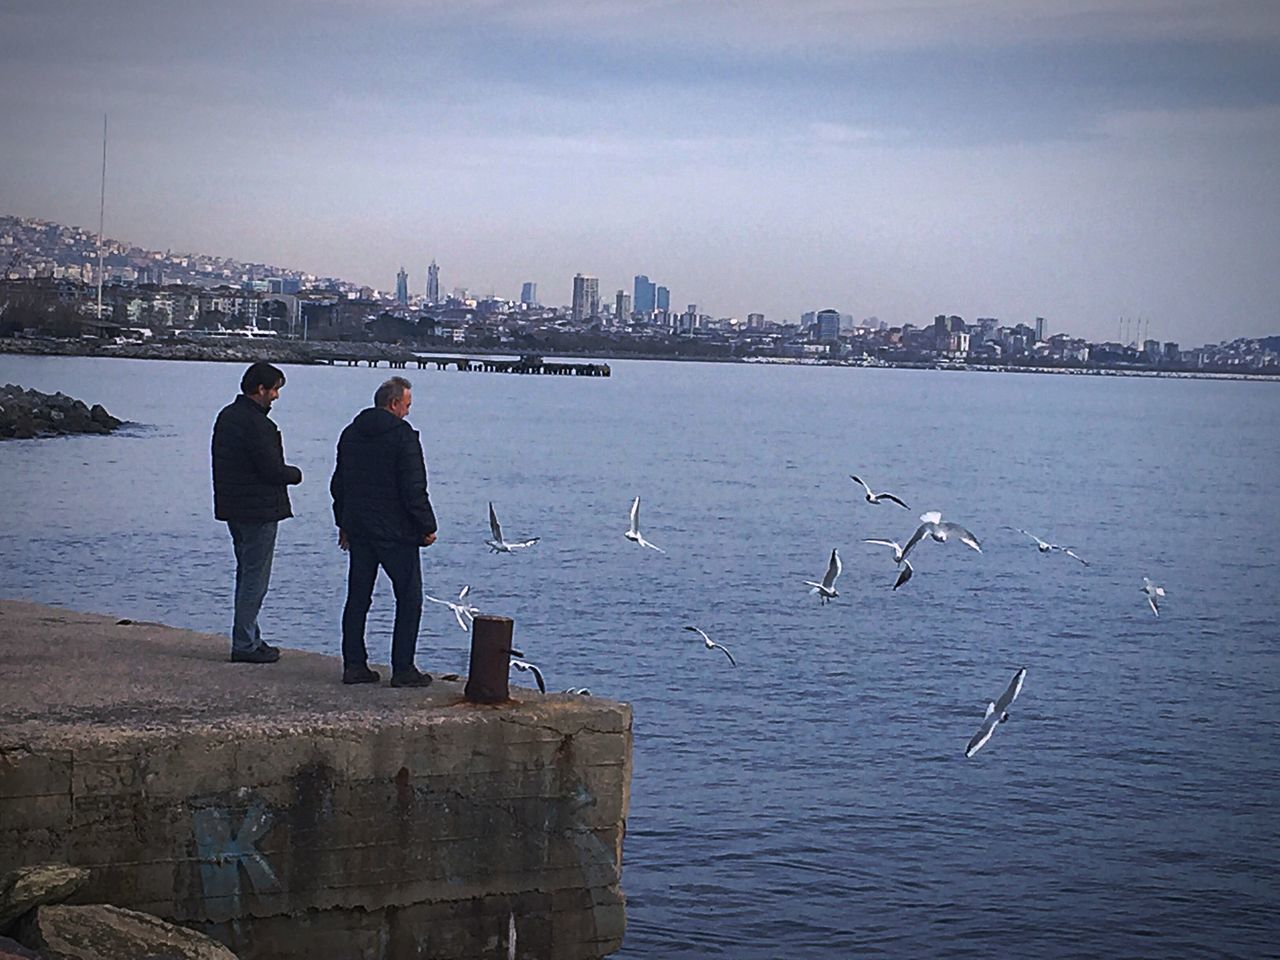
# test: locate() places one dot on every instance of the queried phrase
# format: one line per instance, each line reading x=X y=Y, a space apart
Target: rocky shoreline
x=29 y=413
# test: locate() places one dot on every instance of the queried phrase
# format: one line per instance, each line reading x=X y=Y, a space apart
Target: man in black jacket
x=384 y=516
x=249 y=492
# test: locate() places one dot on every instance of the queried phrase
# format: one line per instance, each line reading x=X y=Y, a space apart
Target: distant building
x=662 y=299
x=827 y=326
x=402 y=288
x=646 y=300
x=755 y=321
x=1039 y=329
x=622 y=307
x=433 y=283
x=586 y=298
x=529 y=294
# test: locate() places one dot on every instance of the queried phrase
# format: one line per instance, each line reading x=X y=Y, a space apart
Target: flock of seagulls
x=931 y=527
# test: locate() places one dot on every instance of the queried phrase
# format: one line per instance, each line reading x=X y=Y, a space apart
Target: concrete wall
x=413 y=831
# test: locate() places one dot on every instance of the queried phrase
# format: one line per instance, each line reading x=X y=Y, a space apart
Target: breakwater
x=29 y=413
x=287 y=815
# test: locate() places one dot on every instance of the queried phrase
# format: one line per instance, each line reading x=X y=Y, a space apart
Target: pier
x=528 y=364
x=289 y=816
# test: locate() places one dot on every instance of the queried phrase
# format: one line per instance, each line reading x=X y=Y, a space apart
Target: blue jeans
x=255 y=545
x=403 y=566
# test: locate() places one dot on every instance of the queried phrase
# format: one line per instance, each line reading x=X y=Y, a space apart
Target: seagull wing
x=885 y=543
x=459 y=615
x=984 y=733
x=933 y=516
x=1154 y=609
x=904 y=575
x=948 y=529
x=494 y=527
x=702 y=634
x=462 y=594
x=1071 y=553
x=427 y=596
x=524 y=543
x=863 y=482
x=716 y=646
x=833 y=571
x=1011 y=692
x=922 y=531
x=635 y=516
x=890 y=496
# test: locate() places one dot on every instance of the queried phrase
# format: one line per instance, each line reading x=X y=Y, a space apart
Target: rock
x=29 y=413
x=101 y=932
x=29 y=887
x=13 y=950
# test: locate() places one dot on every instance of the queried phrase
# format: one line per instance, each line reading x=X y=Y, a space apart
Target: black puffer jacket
x=249 y=472
x=379 y=486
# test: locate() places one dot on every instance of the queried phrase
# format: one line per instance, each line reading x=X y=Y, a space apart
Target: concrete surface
x=285 y=813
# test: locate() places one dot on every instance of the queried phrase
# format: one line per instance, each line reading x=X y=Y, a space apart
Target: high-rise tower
x=433 y=283
x=645 y=290
x=586 y=298
x=402 y=288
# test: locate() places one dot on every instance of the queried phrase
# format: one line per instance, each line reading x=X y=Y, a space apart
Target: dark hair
x=393 y=389
x=260 y=375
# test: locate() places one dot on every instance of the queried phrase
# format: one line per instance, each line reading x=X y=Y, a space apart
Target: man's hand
x=429 y=539
x=343 y=542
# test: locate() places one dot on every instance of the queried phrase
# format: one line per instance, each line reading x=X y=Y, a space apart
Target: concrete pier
x=290 y=816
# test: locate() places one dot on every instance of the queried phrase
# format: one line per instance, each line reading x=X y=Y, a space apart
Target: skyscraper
x=645 y=294
x=529 y=294
x=1039 y=328
x=433 y=283
x=586 y=298
x=622 y=307
x=662 y=299
x=402 y=288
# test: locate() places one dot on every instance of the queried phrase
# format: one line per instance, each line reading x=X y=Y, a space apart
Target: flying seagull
x=463 y=612
x=537 y=674
x=634 y=533
x=897 y=548
x=932 y=525
x=997 y=713
x=1045 y=547
x=497 y=544
x=827 y=588
x=876 y=497
x=712 y=645
x=1154 y=595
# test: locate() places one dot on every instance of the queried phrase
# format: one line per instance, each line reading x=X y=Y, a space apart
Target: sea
x=814 y=801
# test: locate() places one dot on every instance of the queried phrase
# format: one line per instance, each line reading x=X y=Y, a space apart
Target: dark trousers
x=403 y=566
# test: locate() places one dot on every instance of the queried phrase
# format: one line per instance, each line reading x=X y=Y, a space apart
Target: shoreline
x=319 y=352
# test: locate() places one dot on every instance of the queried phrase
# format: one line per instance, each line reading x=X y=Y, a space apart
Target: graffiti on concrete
x=225 y=855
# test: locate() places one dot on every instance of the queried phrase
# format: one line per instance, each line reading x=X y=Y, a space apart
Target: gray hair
x=392 y=389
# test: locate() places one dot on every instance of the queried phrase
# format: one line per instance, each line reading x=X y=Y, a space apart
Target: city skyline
x=1066 y=160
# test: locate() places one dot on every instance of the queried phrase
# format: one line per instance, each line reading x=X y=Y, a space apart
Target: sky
x=1079 y=160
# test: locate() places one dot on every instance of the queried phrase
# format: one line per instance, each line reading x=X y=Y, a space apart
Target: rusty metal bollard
x=488 y=675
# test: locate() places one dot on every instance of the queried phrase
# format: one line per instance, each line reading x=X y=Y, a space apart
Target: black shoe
x=413 y=677
x=265 y=653
x=360 y=675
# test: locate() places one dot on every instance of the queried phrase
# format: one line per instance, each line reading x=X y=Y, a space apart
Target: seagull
x=997 y=713
x=579 y=691
x=463 y=612
x=905 y=575
x=537 y=674
x=634 y=533
x=1154 y=595
x=877 y=497
x=1046 y=547
x=497 y=544
x=712 y=645
x=827 y=588
x=932 y=525
x=897 y=548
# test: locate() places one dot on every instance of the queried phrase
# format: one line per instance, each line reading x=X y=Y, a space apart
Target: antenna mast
x=102 y=209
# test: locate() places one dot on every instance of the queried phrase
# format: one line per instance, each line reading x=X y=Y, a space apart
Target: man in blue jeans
x=384 y=518
x=250 y=480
